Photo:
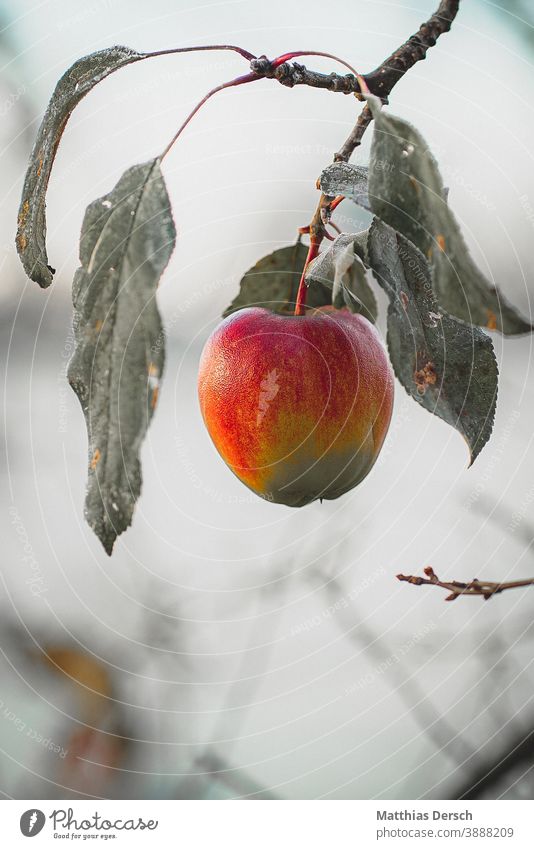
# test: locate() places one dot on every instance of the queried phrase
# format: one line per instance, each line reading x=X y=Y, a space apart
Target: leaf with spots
x=447 y=366
x=274 y=281
x=406 y=191
x=127 y=239
x=340 y=268
x=71 y=88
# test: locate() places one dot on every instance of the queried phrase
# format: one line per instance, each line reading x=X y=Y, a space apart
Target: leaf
x=273 y=283
x=127 y=239
x=447 y=366
x=406 y=191
x=351 y=181
x=340 y=268
x=71 y=88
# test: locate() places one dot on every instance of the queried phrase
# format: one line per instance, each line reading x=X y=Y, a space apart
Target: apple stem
x=313 y=251
x=247 y=78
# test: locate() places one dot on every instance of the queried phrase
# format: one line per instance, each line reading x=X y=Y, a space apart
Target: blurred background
x=231 y=647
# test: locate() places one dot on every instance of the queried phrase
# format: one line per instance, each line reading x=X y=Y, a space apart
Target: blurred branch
x=520 y=754
x=509 y=522
x=486 y=589
x=232 y=777
x=445 y=736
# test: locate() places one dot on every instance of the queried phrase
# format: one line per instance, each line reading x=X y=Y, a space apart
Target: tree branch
x=294 y=74
x=354 y=140
x=486 y=589
x=379 y=82
x=382 y=79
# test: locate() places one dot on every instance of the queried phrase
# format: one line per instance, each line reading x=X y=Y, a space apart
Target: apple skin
x=297 y=406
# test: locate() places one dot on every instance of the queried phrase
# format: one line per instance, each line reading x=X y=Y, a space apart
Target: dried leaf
x=71 y=88
x=127 y=239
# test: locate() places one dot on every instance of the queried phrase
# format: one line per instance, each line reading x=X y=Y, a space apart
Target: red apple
x=297 y=406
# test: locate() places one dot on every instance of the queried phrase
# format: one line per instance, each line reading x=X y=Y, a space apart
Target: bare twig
x=486 y=589
x=387 y=75
x=294 y=74
x=379 y=82
x=354 y=140
x=382 y=80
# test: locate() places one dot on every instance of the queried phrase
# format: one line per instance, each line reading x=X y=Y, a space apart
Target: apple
x=297 y=406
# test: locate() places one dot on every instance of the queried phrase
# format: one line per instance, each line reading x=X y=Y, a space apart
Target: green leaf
x=406 y=191
x=351 y=181
x=273 y=283
x=341 y=269
x=71 y=88
x=127 y=239
x=447 y=366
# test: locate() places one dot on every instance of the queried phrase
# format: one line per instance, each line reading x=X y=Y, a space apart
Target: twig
x=383 y=79
x=486 y=589
x=294 y=74
x=355 y=139
x=387 y=75
x=380 y=82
